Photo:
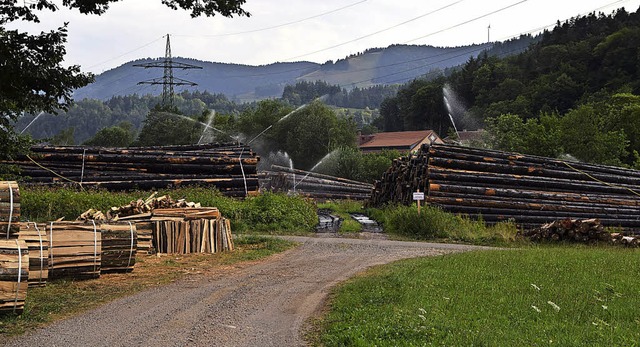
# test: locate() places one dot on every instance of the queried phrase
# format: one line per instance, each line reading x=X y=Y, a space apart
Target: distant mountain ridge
x=390 y=65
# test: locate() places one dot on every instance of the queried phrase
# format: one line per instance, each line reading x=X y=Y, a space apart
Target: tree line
x=574 y=91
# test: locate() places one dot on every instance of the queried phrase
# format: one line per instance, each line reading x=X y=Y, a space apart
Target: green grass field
x=546 y=296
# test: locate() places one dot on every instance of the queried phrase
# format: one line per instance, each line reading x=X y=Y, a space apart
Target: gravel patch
x=265 y=304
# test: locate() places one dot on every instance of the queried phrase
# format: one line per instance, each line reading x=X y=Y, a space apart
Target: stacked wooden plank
x=75 y=250
x=14 y=274
x=144 y=231
x=501 y=186
x=9 y=209
x=119 y=247
x=37 y=240
x=230 y=168
x=191 y=230
x=315 y=185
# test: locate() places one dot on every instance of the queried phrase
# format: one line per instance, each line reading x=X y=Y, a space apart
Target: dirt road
x=265 y=304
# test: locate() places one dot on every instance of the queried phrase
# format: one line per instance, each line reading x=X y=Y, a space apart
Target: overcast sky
x=290 y=30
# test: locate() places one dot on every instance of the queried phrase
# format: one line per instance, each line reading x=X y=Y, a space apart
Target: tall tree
x=32 y=76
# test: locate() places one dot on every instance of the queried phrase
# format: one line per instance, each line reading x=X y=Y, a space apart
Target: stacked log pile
x=406 y=175
x=501 y=186
x=315 y=185
x=119 y=247
x=35 y=236
x=9 y=209
x=228 y=167
x=75 y=250
x=14 y=274
x=573 y=230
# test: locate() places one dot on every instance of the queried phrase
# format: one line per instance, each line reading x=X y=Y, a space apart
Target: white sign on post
x=417 y=196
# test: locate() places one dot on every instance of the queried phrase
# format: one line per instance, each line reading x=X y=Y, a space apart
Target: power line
x=377 y=32
x=167 y=80
x=469 y=21
x=129 y=52
x=403 y=62
x=279 y=25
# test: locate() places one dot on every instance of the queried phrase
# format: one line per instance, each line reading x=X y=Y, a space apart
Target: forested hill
x=576 y=91
x=391 y=65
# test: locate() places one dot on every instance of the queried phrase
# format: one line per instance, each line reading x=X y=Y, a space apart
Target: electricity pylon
x=168 y=81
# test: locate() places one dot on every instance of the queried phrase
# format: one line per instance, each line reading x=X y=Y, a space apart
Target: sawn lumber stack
x=230 y=168
x=502 y=186
x=37 y=240
x=14 y=273
x=9 y=209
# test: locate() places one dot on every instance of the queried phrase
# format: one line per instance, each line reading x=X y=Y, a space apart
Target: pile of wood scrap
x=14 y=274
x=314 y=185
x=164 y=225
x=230 y=168
x=574 y=230
x=9 y=209
x=625 y=240
x=37 y=240
x=502 y=186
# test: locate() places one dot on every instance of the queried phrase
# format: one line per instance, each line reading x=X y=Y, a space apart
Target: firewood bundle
x=230 y=168
x=75 y=250
x=9 y=209
x=574 y=230
x=37 y=240
x=119 y=247
x=501 y=186
x=314 y=185
x=14 y=274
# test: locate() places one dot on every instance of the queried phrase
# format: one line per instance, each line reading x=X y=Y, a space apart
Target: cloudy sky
x=318 y=31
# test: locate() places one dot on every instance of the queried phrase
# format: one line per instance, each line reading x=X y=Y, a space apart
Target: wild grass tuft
x=433 y=223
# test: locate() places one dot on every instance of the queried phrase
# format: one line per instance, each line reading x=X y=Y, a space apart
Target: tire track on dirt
x=265 y=304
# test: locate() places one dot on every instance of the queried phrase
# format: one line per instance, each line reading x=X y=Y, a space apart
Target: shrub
x=434 y=223
x=279 y=212
x=266 y=212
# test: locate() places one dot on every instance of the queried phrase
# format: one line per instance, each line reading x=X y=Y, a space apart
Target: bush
x=266 y=212
x=279 y=212
x=434 y=223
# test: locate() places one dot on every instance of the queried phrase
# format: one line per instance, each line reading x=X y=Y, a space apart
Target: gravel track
x=264 y=304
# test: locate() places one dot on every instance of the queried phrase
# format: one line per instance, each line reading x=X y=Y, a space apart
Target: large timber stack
x=230 y=168
x=314 y=185
x=501 y=186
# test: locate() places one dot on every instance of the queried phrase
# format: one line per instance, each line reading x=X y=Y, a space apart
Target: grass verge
x=61 y=299
x=565 y=296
